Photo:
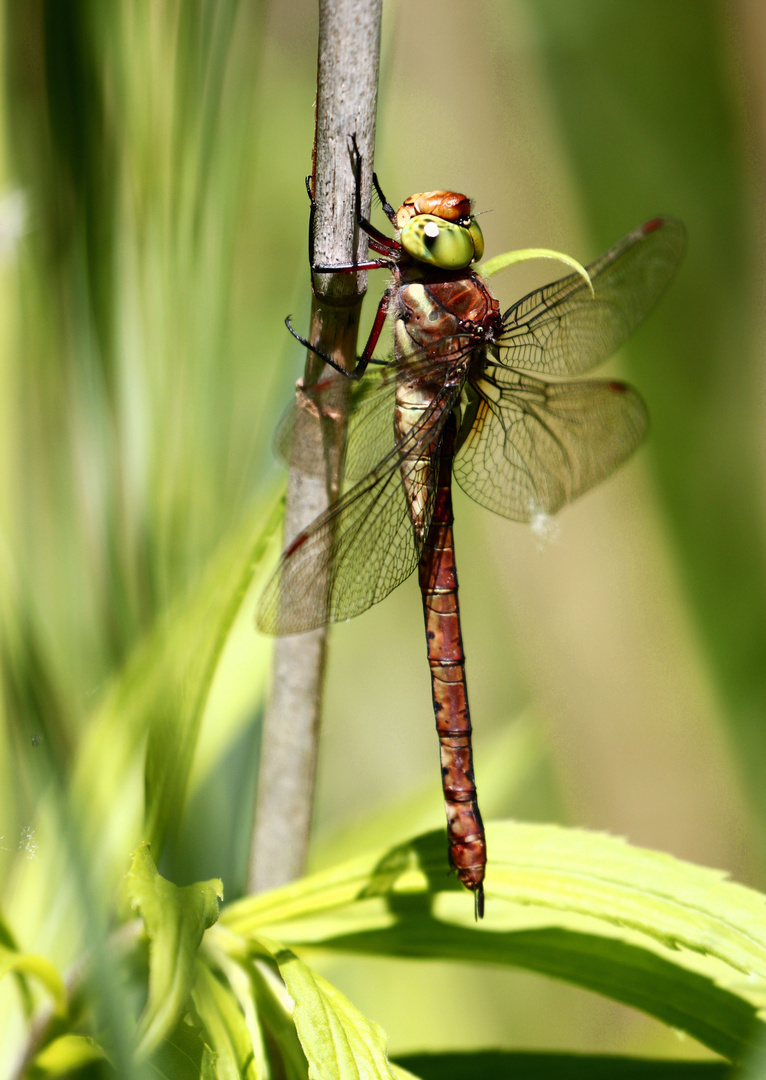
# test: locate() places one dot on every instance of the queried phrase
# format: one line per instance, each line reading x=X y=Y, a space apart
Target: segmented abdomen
x=438 y=584
x=443 y=321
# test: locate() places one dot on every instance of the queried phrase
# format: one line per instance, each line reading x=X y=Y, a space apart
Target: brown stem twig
x=349 y=51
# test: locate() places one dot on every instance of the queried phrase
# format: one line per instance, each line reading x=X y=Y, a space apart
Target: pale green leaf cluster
x=237 y=995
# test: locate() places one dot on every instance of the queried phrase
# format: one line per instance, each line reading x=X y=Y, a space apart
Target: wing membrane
x=526 y=446
x=531 y=447
x=361 y=548
x=562 y=329
x=369 y=408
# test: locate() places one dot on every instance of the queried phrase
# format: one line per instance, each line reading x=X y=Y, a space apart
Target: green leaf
x=29 y=964
x=570 y=870
x=184 y=1055
x=277 y=1019
x=673 y=939
x=175 y=920
x=511 y=258
x=162 y=690
x=64 y=1055
x=191 y=660
x=6 y=935
x=498 y=1064
x=338 y=1041
x=8 y=941
x=220 y=1013
x=630 y=973
x=267 y=1009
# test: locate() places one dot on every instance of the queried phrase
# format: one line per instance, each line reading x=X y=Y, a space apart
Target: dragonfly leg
x=366 y=357
x=351 y=268
x=318 y=352
x=312 y=215
x=383 y=246
x=386 y=206
x=378 y=241
x=388 y=210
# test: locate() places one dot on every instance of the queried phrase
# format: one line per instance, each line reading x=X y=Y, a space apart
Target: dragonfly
x=489 y=397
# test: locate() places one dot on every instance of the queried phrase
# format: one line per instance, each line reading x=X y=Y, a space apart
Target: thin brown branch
x=349 y=51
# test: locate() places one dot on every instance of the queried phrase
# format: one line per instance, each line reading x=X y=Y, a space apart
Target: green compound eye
x=478 y=239
x=445 y=244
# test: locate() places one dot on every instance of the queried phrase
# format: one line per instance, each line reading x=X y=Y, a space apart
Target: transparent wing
x=562 y=329
x=369 y=408
x=530 y=447
x=362 y=547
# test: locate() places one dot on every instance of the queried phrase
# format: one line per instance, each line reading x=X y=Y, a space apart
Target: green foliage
x=11 y=960
x=511 y=258
x=152 y=237
x=65 y=1055
x=667 y=937
x=336 y=1038
x=563 y=1066
x=175 y=920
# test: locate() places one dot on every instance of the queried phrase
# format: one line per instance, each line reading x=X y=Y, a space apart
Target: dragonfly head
x=437 y=227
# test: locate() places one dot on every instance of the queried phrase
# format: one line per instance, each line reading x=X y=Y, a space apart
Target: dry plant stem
x=349 y=51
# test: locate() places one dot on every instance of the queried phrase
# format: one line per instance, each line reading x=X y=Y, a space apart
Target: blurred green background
x=152 y=238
